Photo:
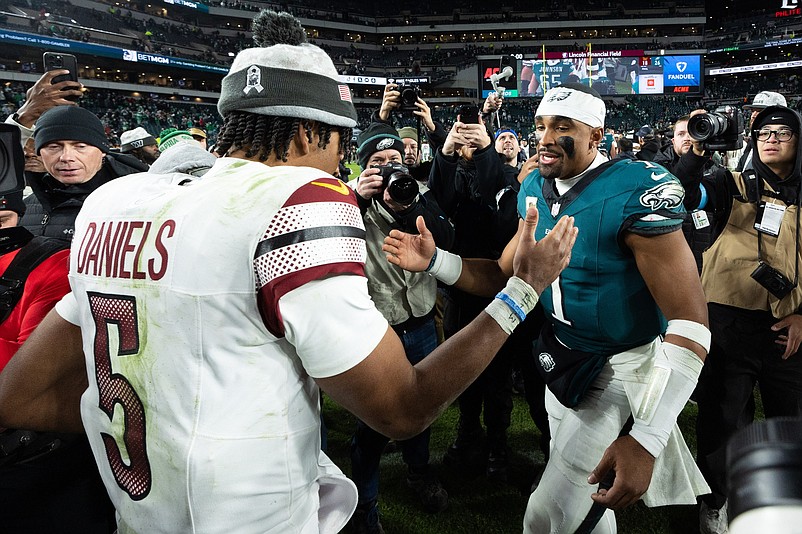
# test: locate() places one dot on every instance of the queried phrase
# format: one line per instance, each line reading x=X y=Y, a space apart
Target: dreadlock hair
x=264 y=135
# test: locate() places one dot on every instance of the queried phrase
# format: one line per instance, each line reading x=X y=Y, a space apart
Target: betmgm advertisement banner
x=78 y=47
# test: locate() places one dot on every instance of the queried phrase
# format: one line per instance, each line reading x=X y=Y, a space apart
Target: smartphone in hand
x=58 y=61
x=469 y=114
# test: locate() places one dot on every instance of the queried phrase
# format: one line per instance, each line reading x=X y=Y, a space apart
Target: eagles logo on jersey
x=667 y=195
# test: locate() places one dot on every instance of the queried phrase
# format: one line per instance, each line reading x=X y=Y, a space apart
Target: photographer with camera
x=406 y=100
x=688 y=160
x=750 y=276
x=390 y=198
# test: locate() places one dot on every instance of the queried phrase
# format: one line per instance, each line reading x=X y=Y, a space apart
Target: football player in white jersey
x=210 y=313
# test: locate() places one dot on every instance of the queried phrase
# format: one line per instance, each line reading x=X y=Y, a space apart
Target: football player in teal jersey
x=616 y=385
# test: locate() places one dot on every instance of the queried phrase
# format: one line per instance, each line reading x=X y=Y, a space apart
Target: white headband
x=573 y=104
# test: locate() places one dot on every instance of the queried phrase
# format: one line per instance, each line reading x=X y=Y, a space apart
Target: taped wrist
x=671 y=382
x=512 y=304
x=696 y=332
x=445 y=266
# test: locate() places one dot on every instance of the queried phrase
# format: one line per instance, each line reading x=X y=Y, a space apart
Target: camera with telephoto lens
x=400 y=185
x=409 y=97
x=773 y=280
x=721 y=129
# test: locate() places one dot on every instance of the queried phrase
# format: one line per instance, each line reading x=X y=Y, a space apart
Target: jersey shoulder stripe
x=318 y=232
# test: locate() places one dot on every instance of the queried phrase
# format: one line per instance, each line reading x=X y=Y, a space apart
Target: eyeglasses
x=782 y=135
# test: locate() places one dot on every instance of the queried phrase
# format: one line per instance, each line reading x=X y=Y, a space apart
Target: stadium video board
x=624 y=72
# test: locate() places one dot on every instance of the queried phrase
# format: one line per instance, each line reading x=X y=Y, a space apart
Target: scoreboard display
x=609 y=73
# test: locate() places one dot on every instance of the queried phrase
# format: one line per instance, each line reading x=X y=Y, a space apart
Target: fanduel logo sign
x=681 y=66
x=680 y=76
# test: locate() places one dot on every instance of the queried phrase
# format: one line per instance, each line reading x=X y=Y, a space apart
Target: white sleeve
x=67 y=308
x=332 y=323
x=25 y=132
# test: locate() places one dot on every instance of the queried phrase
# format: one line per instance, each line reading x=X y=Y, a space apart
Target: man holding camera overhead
x=751 y=278
x=407 y=101
x=389 y=197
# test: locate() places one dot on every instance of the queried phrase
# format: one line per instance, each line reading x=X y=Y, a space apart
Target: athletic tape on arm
x=671 y=382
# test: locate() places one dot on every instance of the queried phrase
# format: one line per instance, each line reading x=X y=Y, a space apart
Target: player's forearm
x=481 y=277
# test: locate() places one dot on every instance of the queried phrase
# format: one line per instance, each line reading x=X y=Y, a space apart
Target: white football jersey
x=205 y=307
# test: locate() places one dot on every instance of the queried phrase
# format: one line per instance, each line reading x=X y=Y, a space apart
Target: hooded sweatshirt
x=730 y=261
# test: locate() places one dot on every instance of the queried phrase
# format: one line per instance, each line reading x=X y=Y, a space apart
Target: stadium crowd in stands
x=455 y=191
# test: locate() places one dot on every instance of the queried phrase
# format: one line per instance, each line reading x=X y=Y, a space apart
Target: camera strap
x=796 y=235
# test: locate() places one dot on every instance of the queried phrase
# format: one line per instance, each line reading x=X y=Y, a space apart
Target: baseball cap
x=646 y=131
x=136 y=138
x=197 y=131
x=765 y=99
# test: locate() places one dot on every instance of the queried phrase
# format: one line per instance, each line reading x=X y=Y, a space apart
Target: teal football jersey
x=600 y=302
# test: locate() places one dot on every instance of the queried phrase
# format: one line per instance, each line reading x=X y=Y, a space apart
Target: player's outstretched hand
x=540 y=262
x=410 y=252
x=632 y=465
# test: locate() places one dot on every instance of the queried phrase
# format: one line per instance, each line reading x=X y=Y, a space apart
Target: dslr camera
x=773 y=280
x=409 y=97
x=721 y=129
x=400 y=185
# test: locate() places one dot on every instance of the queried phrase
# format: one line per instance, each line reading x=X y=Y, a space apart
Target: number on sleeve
x=109 y=311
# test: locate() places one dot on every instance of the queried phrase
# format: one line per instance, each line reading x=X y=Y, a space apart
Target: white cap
x=136 y=138
x=765 y=99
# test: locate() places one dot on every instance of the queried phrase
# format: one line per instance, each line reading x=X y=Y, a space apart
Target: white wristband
x=447 y=267
x=671 y=382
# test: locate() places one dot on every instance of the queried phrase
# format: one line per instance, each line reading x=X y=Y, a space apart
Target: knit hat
x=505 y=130
x=575 y=101
x=765 y=99
x=136 y=138
x=408 y=132
x=376 y=137
x=776 y=115
x=286 y=76
x=13 y=201
x=197 y=131
x=173 y=136
x=70 y=123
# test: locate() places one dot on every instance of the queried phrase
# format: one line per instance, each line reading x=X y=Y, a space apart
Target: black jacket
x=651 y=148
x=693 y=170
x=469 y=193
x=51 y=209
